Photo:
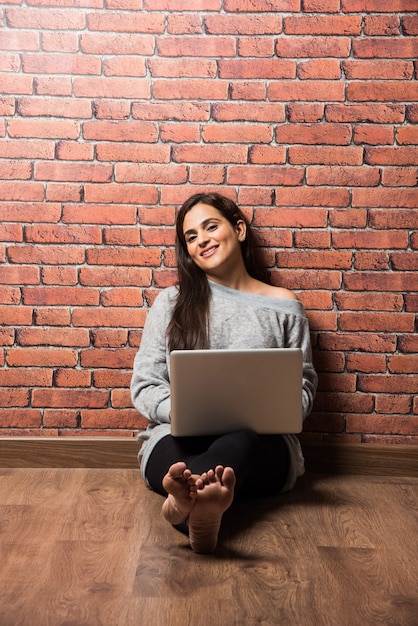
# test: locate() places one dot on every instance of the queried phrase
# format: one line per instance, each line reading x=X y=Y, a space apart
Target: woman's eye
x=212 y=226
x=190 y=238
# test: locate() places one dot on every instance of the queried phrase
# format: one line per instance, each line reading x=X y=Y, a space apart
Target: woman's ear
x=241 y=229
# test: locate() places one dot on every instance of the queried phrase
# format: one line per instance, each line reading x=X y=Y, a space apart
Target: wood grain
x=89 y=547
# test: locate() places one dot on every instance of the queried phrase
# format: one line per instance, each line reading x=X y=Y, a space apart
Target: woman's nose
x=202 y=238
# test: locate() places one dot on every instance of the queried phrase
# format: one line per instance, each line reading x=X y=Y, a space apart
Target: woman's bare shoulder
x=276 y=292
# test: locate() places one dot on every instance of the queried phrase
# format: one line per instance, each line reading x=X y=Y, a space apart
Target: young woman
x=222 y=300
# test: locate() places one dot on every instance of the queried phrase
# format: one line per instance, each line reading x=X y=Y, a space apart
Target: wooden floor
x=88 y=547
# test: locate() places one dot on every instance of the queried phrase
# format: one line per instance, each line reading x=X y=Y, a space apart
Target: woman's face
x=212 y=241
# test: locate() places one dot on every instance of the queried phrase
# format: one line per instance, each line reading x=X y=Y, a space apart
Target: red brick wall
x=304 y=111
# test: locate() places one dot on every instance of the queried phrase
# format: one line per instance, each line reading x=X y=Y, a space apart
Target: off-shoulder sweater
x=237 y=320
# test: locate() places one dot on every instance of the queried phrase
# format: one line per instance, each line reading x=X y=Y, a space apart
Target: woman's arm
x=298 y=336
x=150 y=384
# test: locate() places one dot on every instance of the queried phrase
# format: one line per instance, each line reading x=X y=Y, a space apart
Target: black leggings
x=260 y=462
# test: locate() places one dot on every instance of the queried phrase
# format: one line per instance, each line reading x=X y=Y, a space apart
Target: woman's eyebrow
x=204 y=223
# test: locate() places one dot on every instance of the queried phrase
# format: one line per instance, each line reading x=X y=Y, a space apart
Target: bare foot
x=211 y=501
x=181 y=487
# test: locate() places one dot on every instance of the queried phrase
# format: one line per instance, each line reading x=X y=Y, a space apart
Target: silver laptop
x=217 y=391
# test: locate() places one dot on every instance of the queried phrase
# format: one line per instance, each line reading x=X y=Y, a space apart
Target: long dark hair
x=188 y=328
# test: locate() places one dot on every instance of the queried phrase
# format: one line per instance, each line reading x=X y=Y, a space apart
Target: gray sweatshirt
x=237 y=320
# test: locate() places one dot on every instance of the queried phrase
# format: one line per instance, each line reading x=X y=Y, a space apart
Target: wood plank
x=90 y=547
x=121 y=452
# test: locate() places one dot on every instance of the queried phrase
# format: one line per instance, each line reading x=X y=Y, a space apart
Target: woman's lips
x=209 y=251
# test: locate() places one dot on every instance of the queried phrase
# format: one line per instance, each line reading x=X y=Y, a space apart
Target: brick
x=403 y=363
x=41 y=357
x=248 y=90
x=28 y=377
x=60 y=64
x=111 y=87
x=122 y=297
x=316 y=90
x=233 y=112
x=402 y=198
x=357 y=342
x=373 y=70
x=19 y=275
x=19 y=418
x=302 y=196
x=184 y=24
x=411 y=302
x=119 y=317
x=176 y=68
x=371 y=260
x=366 y=363
x=206 y=175
x=44 y=129
x=46 y=19
x=112 y=193
x=102 y=43
x=281 y=218
x=108 y=109
x=374 y=281
x=114 y=358
x=334 y=134
x=380 y=424
x=312 y=239
x=260 y=24
x=60 y=295
x=377 y=322
x=317 y=259
x=301 y=112
x=151 y=173
x=48 y=254
x=391 y=156
x=126 y=22
x=262 y=5
x=373 y=135
x=301 y=279
x=325 y=155
x=25 y=192
x=410 y=24
x=179 y=111
x=115 y=276
x=109 y=338
x=369 y=239
x=382 y=25
x=74 y=151
x=348 y=218
x=14 y=169
x=387 y=48
x=313 y=47
x=52 y=86
x=321 y=6
x=322 y=25
x=210 y=154
x=370 y=112
x=10 y=84
x=63 y=234
x=112 y=378
x=382 y=91
x=178 y=133
x=400 y=177
x=20 y=40
x=255 y=46
x=267 y=155
x=108 y=418
x=60 y=418
x=314 y=69
x=14 y=397
x=63 y=192
x=70 y=398
x=172 y=46
x=68 y=337
x=257 y=68
x=70 y=377
x=391 y=403
x=344 y=402
x=99 y=214
x=264 y=175
x=121 y=236
x=51 y=316
x=59 y=41
x=397 y=383
x=404 y=261
x=343 y=176
x=15 y=149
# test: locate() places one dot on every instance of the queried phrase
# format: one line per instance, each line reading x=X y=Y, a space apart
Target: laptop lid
x=217 y=391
